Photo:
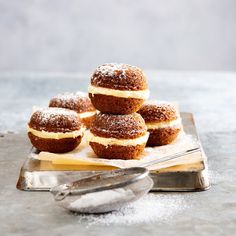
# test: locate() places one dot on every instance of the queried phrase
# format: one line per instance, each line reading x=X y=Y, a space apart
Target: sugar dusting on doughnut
x=158 y=112
x=119 y=76
x=163 y=122
x=110 y=69
x=49 y=119
x=45 y=114
x=71 y=96
x=118 y=136
x=119 y=126
x=78 y=102
x=56 y=130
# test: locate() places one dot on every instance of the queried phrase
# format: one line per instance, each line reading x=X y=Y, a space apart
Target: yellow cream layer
x=87 y=114
x=140 y=94
x=114 y=141
x=54 y=135
x=154 y=125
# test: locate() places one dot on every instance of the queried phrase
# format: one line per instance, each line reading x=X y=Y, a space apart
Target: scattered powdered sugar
x=153 y=207
x=216 y=177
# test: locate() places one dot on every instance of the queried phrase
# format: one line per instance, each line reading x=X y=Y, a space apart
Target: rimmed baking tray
x=39 y=175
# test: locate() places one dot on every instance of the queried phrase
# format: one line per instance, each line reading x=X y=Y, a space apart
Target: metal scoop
x=110 y=190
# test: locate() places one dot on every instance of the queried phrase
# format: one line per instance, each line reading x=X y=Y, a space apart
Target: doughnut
x=78 y=102
x=118 y=88
x=163 y=122
x=55 y=130
x=118 y=136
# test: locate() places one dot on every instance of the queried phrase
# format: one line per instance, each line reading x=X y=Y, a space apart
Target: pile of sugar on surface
x=160 y=207
x=92 y=200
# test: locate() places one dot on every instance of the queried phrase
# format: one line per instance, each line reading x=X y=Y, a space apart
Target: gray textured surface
x=210 y=96
x=77 y=35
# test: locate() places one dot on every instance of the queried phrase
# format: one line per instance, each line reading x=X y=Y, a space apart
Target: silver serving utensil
x=110 y=190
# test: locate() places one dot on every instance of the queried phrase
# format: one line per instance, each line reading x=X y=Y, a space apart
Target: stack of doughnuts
x=78 y=102
x=118 y=92
x=118 y=89
x=60 y=127
x=124 y=125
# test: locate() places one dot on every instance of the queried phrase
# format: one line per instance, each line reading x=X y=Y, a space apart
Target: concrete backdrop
x=76 y=35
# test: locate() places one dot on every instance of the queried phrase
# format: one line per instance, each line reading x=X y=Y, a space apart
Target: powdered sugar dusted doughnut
x=163 y=122
x=78 y=102
x=118 y=88
x=55 y=130
x=118 y=136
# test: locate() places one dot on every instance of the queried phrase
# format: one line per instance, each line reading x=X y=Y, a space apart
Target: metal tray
x=36 y=175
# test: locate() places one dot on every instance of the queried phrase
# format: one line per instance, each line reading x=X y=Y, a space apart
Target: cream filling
x=159 y=125
x=56 y=135
x=140 y=94
x=87 y=114
x=114 y=141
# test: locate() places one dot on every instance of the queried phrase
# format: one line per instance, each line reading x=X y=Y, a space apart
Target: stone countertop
x=211 y=96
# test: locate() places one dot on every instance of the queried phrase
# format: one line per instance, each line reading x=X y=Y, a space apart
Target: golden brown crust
x=78 y=102
x=115 y=105
x=119 y=126
x=54 y=145
x=119 y=76
x=55 y=120
x=162 y=136
x=117 y=152
x=158 y=112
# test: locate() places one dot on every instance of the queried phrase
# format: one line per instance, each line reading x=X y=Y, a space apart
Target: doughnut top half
x=119 y=126
x=55 y=120
x=158 y=112
x=119 y=76
x=78 y=102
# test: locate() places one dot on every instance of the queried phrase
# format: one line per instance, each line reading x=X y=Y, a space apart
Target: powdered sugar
x=110 y=69
x=53 y=115
x=113 y=70
x=78 y=102
x=157 y=102
x=119 y=77
x=71 y=96
x=154 y=111
x=119 y=125
x=99 y=201
x=216 y=177
x=69 y=100
x=153 y=207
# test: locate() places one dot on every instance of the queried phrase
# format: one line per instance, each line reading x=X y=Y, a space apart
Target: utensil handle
x=170 y=157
